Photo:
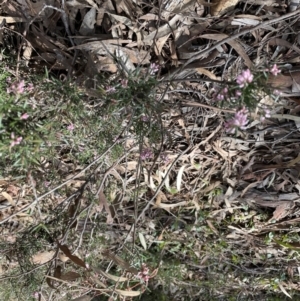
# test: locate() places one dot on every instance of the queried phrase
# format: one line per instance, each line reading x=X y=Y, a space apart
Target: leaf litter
x=206 y=182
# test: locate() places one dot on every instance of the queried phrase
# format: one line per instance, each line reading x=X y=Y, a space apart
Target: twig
x=196 y=104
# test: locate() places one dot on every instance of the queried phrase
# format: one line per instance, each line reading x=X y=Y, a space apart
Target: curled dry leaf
x=8 y=198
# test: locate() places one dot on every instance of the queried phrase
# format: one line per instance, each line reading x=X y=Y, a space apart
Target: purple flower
x=222 y=94
x=145 y=118
x=24 y=116
x=153 y=68
x=274 y=70
x=164 y=158
x=146 y=154
x=246 y=77
x=239 y=120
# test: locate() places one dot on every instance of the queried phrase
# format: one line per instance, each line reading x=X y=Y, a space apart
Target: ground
x=149 y=151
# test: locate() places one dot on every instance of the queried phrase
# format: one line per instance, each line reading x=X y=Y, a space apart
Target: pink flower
x=36 y=295
x=153 y=68
x=246 y=77
x=144 y=273
x=266 y=114
x=146 y=154
x=222 y=94
x=238 y=93
x=277 y=92
x=30 y=87
x=110 y=89
x=239 y=120
x=15 y=141
x=17 y=87
x=71 y=127
x=275 y=70
x=24 y=116
x=124 y=83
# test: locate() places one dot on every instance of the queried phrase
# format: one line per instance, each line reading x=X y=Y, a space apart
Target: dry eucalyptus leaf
x=74 y=258
x=70 y=276
x=8 y=198
x=89 y=20
x=42 y=257
x=222 y=6
x=128 y=293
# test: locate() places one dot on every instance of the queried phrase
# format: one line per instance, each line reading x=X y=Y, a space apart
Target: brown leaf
x=282 y=81
x=283 y=210
x=74 y=258
x=104 y=203
x=49 y=282
x=57 y=272
x=70 y=276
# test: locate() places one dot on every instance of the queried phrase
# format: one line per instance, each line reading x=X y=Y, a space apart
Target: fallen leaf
x=70 y=276
x=104 y=203
x=8 y=198
x=128 y=293
x=42 y=257
x=222 y=6
x=74 y=258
